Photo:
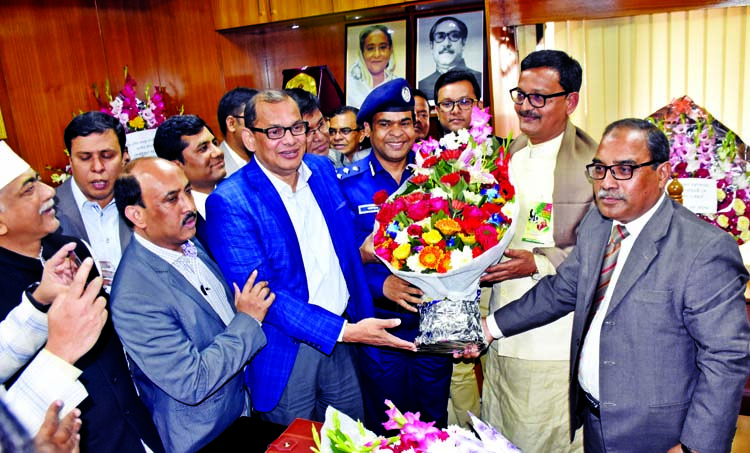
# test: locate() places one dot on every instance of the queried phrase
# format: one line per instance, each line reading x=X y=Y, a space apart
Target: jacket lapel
x=177 y=282
x=594 y=246
x=642 y=253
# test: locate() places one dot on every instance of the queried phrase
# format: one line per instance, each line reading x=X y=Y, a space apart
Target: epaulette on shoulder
x=350 y=170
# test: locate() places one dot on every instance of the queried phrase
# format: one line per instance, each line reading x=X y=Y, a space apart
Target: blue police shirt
x=358 y=186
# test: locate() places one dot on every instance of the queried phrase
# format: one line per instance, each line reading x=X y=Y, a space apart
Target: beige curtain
x=635 y=65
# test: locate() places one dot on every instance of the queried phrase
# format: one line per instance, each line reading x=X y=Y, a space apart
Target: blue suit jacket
x=185 y=361
x=249 y=228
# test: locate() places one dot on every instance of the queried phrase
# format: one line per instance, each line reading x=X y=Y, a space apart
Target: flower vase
x=140 y=143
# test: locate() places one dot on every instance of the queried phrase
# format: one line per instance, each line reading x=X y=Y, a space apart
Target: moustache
x=529 y=114
x=190 y=216
x=609 y=194
x=449 y=50
x=47 y=206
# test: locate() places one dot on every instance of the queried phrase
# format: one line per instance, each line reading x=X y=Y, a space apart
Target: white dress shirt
x=102 y=226
x=199 y=198
x=233 y=161
x=198 y=274
x=588 y=368
x=325 y=280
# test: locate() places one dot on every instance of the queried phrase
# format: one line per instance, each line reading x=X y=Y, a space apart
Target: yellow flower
x=396 y=263
x=722 y=221
x=739 y=206
x=430 y=256
x=137 y=123
x=743 y=223
x=467 y=239
x=720 y=195
x=448 y=226
x=745 y=236
x=432 y=237
x=402 y=251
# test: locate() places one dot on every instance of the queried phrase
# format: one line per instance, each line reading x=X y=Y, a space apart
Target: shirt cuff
x=544 y=265
x=30 y=311
x=493 y=327
x=341 y=334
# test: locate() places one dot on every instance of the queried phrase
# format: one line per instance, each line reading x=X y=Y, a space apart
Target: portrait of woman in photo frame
x=375 y=54
x=447 y=43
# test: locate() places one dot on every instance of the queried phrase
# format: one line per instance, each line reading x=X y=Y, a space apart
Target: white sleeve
x=22 y=333
x=46 y=379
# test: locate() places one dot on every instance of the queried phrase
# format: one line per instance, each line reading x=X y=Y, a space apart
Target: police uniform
x=415 y=382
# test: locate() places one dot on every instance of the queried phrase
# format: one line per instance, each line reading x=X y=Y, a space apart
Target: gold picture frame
x=3 y=132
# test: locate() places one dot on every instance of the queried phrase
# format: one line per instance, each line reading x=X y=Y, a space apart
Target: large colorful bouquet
x=702 y=147
x=448 y=223
x=341 y=434
x=133 y=113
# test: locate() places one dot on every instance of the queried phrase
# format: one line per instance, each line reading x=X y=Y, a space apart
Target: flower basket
x=702 y=148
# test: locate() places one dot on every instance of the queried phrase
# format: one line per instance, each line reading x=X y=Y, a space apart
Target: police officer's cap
x=392 y=96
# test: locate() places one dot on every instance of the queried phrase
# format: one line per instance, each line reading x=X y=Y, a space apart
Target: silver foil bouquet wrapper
x=447 y=325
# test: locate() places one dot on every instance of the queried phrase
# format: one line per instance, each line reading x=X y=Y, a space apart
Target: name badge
x=539 y=224
x=368 y=208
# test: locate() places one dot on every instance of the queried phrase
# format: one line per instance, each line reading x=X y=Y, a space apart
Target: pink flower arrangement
x=133 y=113
x=451 y=209
x=702 y=147
x=340 y=434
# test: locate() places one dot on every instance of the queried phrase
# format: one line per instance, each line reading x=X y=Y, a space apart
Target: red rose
x=506 y=189
x=476 y=251
x=419 y=179
x=414 y=197
x=450 y=154
x=380 y=197
x=384 y=253
x=458 y=205
x=490 y=208
x=429 y=162
x=418 y=211
x=702 y=173
x=414 y=230
x=465 y=175
x=451 y=179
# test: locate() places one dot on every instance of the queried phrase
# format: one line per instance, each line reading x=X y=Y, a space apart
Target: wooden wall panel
x=256 y=59
x=49 y=51
x=187 y=55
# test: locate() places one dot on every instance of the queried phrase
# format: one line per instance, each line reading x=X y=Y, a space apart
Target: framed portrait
x=375 y=53
x=449 y=42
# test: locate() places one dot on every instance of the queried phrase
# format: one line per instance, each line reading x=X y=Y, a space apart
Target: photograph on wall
x=375 y=54
x=449 y=42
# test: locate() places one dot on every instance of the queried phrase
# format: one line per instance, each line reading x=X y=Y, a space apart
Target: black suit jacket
x=114 y=418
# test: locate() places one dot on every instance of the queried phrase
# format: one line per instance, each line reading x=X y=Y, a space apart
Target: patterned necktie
x=608 y=267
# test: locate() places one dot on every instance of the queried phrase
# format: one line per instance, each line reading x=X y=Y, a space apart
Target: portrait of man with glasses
x=447 y=40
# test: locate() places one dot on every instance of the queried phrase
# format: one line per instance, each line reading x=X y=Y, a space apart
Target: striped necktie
x=608 y=267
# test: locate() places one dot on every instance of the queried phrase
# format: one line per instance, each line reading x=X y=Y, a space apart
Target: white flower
x=440 y=193
x=471 y=197
x=414 y=264
x=402 y=237
x=463 y=136
x=116 y=105
x=461 y=257
x=450 y=141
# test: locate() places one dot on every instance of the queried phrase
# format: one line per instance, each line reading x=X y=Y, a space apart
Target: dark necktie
x=608 y=267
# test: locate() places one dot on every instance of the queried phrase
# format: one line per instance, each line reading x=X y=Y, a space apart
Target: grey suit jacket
x=71 y=222
x=675 y=343
x=184 y=360
x=572 y=194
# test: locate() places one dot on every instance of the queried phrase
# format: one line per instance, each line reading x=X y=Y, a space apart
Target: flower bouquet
x=341 y=434
x=443 y=227
x=139 y=117
x=702 y=147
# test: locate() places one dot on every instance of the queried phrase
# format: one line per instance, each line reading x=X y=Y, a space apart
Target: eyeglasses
x=277 y=132
x=239 y=116
x=535 y=99
x=463 y=104
x=453 y=36
x=344 y=130
x=621 y=172
x=322 y=129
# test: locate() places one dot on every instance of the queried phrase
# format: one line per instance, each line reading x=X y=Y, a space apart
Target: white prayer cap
x=11 y=165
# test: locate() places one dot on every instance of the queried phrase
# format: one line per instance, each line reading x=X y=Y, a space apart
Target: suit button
x=609 y=323
x=114 y=379
x=578 y=341
x=608 y=362
x=127 y=412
